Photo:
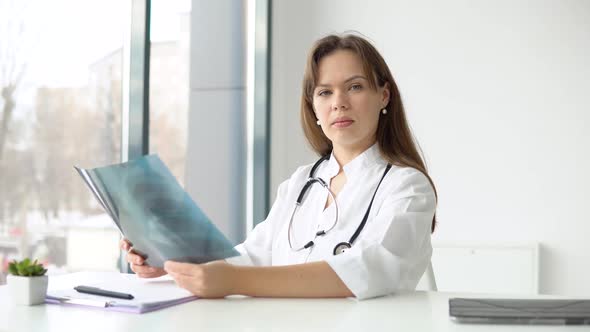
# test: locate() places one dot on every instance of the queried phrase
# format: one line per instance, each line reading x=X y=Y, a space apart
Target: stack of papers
x=149 y=294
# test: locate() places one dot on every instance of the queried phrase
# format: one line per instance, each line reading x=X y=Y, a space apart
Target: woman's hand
x=211 y=280
x=137 y=263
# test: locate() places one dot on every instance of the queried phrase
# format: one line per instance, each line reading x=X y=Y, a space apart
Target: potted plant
x=27 y=282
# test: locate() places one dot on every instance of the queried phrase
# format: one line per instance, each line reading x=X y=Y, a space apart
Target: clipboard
x=149 y=294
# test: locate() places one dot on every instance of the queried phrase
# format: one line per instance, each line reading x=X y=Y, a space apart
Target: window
x=61 y=101
x=169 y=82
x=61 y=104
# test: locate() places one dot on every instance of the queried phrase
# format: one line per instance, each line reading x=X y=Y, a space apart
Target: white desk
x=416 y=311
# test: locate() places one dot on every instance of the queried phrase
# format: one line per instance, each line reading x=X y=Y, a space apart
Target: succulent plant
x=26 y=268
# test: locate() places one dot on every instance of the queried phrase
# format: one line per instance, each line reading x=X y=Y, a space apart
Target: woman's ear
x=386 y=94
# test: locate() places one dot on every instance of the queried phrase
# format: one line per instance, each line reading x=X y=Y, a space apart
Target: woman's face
x=345 y=104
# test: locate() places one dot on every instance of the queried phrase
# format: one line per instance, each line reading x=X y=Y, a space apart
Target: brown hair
x=394 y=137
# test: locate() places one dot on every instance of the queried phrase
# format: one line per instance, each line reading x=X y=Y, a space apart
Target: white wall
x=497 y=93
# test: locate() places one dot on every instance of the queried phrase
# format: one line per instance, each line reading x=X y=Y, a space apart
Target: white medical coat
x=390 y=254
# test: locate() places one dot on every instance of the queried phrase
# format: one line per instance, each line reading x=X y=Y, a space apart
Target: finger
x=149 y=275
x=133 y=268
x=143 y=269
x=183 y=281
x=135 y=259
x=145 y=276
x=180 y=268
x=125 y=244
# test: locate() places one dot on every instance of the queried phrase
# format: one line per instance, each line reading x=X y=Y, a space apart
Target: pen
x=102 y=292
x=88 y=302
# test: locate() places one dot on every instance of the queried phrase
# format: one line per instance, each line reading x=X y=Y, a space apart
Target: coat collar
x=368 y=158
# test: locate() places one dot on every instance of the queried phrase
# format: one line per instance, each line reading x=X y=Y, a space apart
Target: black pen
x=102 y=292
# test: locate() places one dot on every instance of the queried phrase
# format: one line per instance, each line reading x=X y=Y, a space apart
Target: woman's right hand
x=137 y=263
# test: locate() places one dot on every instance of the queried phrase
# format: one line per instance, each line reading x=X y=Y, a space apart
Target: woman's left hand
x=210 y=280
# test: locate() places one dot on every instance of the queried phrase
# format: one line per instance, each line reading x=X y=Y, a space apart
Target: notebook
x=149 y=294
x=520 y=311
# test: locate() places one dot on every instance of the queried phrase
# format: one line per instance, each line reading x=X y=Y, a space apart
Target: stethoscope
x=342 y=246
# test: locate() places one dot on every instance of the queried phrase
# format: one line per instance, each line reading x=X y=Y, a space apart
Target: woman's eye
x=324 y=93
x=356 y=87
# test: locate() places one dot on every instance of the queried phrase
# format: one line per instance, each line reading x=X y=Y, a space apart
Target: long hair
x=394 y=137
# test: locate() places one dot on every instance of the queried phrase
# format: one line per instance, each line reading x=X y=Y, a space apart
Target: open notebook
x=149 y=294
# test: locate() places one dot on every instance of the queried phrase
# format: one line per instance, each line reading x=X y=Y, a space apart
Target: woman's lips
x=342 y=123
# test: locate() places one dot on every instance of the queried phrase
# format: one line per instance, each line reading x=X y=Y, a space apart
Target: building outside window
x=61 y=101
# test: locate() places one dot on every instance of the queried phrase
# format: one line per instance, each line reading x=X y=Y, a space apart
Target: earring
x=318 y=122
x=384 y=111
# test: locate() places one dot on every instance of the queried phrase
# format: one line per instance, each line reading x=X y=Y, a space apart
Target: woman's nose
x=340 y=101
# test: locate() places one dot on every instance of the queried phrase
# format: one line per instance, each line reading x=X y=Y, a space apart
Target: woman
x=375 y=238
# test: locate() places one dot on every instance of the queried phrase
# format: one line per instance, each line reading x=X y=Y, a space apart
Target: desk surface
x=415 y=311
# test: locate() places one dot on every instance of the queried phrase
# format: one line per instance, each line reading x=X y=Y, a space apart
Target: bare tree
x=14 y=51
x=15 y=43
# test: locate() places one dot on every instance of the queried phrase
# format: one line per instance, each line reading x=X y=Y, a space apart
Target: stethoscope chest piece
x=341 y=248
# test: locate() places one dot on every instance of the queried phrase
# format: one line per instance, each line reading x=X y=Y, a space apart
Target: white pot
x=27 y=290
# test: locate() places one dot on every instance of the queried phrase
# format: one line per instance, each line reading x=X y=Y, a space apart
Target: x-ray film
x=155 y=214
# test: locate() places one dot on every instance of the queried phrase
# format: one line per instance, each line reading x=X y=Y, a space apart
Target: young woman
x=362 y=226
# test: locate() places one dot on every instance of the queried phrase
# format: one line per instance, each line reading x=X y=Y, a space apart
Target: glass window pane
x=169 y=82
x=60 y=77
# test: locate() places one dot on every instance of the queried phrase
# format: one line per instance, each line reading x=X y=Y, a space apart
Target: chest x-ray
x=152 y=210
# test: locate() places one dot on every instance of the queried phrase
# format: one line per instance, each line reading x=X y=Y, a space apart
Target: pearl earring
x=384 y=111
x=318 y=122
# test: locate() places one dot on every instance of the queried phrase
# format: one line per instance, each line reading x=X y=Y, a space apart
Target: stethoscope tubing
x=342 y=246
x=309 y=182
